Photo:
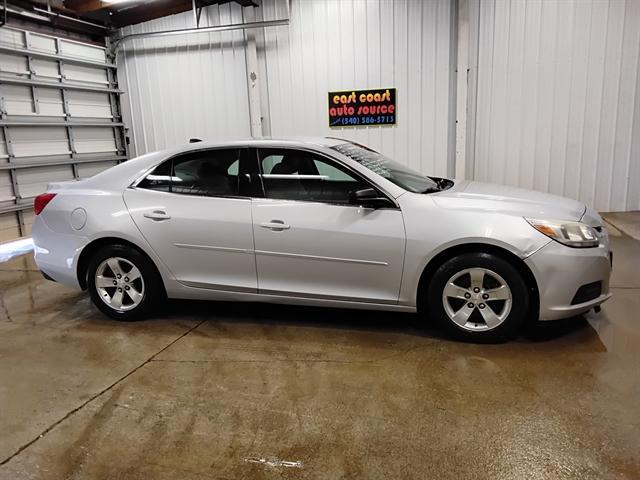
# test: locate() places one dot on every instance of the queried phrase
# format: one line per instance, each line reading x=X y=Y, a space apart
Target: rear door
x=311 y=242
x=192 y=212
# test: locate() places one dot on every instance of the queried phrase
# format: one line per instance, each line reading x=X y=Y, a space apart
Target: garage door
x=59 y=119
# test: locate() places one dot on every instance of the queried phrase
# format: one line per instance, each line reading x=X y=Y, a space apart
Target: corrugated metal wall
x=355 y=44
x=59 y=119
x=558 y=95
x=195 y=85
x=558 y=106
x=185 y=86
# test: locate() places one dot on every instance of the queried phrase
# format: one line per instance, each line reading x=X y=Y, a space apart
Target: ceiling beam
x=161 y=8
x=148 y=11
x=83 y=6
x=246 y=3
x=126 y=13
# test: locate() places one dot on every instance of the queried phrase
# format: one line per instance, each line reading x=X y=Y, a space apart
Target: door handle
x=157 y=215
x=275 y=225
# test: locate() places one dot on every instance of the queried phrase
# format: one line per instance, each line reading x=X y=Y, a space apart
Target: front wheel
x=123 y=283
x=478 y=297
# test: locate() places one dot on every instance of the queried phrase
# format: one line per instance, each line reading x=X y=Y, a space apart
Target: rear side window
x=210 y=173
x=159 y=179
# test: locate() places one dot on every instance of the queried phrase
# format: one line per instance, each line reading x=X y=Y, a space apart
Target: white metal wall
x=355 y=44
x=184 y=86
x=558 y=105
x=558 y=93
x=195 y=85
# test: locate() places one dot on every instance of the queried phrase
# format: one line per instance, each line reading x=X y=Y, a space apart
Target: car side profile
x=324 y=222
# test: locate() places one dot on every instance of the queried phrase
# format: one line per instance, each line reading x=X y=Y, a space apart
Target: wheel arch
x=477 y=247
x=91 y=248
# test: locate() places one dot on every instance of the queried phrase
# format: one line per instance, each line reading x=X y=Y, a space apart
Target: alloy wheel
x=477 y=299
x=119 y=284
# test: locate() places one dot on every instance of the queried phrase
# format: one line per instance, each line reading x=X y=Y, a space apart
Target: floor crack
x=101 y=392
x=267 y=360
x=290 y=360
x=3 y=305
x=19 y=270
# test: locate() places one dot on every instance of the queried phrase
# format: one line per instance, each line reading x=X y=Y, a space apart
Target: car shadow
x=280 y=314
x=545 y=331
x=351 y=319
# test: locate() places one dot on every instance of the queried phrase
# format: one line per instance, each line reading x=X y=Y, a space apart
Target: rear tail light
x=42 y=201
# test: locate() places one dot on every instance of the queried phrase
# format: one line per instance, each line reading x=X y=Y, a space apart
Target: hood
x=510 y=200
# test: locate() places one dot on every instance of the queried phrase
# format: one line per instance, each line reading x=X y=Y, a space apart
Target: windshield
x=390 y=169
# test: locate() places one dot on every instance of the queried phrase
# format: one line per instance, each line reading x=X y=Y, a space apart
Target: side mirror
x=368 y=197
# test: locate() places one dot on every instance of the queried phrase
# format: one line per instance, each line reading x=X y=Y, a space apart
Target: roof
x=127 y=172
x=265 y=141
x=131 y=169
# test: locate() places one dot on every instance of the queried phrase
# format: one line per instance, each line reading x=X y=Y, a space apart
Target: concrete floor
x=229 y=391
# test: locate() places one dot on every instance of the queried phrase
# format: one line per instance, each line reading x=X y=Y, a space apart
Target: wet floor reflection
x=348 y=393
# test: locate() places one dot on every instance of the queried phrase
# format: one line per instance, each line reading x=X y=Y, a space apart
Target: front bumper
x=560 y=271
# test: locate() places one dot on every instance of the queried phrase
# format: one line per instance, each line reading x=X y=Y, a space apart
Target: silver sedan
x=323 y=222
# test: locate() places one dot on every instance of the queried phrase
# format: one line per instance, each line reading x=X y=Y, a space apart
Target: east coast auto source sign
x=354 y=108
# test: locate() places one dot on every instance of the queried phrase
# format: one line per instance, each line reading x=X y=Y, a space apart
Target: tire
x=124 y=283
x=478 y=297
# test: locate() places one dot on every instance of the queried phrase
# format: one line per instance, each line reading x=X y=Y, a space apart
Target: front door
x=190 y=211
x=311 y=242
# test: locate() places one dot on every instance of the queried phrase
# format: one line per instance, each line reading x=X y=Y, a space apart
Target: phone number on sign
x=371 y=120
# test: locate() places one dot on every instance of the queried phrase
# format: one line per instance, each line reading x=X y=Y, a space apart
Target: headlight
x=572 y=234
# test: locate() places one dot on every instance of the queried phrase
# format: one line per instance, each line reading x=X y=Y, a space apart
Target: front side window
x=299 y=175
x=211 y=173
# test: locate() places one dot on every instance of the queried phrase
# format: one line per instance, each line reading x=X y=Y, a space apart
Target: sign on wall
x=356 y=108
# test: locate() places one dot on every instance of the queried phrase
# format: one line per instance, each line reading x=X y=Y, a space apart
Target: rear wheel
x=478 y=297
x=123 y=283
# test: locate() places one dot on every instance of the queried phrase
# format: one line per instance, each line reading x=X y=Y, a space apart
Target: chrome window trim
x=142 y=176
x=318 y=202
x=329 y=157
x=228 y=197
